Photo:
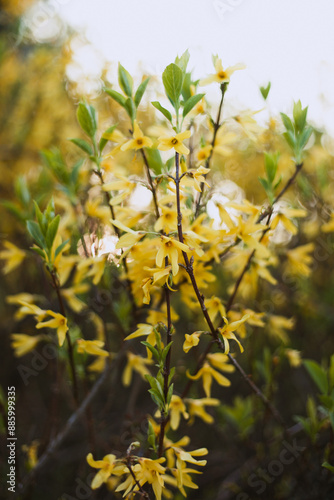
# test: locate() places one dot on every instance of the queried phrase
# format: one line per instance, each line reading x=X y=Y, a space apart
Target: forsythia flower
x=13 y=257
x=191 y=341
x=22 y=343
x=294 y=357
x=277 y=326
x=169 y=248
x=59 y=322
x=207 y=373
x=167 y=221
x=176 y=408
x=136 y=363
x=198 y=177
x=175 y=141
x=139 y=140
x=92 y=347
x=204 y=153
x=299 y=261
x=227 y=332
x=106 y=466
x=196 y=409
x=221 y=75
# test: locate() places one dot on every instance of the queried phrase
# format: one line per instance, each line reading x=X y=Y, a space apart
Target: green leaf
x=151 y=438
x=152 y=349
x=265 y=91
x=299 y=116
x=125 y=80
x=182 y=62
x=52 y=231
x=87 y=118
x=270 y=163
x=328 y=466
x=13 y=209
x=304 y=137
x=140 y=92
x=82 y=144
x=287 y=122
x=170 y=394
x=22 y=191
x=104 y=141
x=171 y=375
x=170 y=163
x=290 y=139
x=36 y=233
x=41 y=219
x=164 y=111
x=60 y=247
x=154 y=160
x=318 y=375
x=166 y=351
x=172 y=78
x=119 y=98
x=157 y=398
x=331 y=372
x=130 y=108
x=54 y=161
x=191 y=103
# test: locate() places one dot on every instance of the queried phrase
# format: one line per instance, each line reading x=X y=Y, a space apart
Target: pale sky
x=289 y=42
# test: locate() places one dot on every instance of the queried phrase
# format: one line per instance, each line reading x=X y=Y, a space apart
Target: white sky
x=289 y=42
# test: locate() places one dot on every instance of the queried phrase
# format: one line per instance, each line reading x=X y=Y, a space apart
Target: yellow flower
x=94 y=209
x=198 y=177
x=221 y=75
x=143 y=330
x=70 y=295
x=151 y=471
x=207 y=373
x=169 y=248
x=31 y=452
x=92 y=347
x=13 y=257
x=176 y=408
x=175 y=141
x=136 y=363
x=22 y=343
x=299 y=261
x=191 y=341
x=167 y=221
x=59 y=323
x=196 y=408
x=183 y=478
x=29 y=309
x=139 y=141
x=106 y=466
x=227 y=332
x=204 y=153
x=277 y=326
x=294 y=357
x=328 y=227
x=284 y=218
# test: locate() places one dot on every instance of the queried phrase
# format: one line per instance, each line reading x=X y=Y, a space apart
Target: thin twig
x=216 y=127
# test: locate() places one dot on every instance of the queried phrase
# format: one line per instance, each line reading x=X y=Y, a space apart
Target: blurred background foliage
x=37 y=107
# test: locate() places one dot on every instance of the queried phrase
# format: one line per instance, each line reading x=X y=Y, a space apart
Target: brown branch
x=216 y=127
x=62 y=435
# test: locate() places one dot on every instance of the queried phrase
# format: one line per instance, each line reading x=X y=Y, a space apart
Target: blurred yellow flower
x=13 y=257
x=139 y=140
x=22 y=343
x=221 y=75
x=175 y=141
x=92 y=347
x=59 y=323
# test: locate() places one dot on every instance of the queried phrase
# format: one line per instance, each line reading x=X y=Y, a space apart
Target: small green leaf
x=86 y=115
x=117 y=97
x=36 y=233
x=60 y=247
x=265 y=91
x=318 y=375
x=154 y=160
x=287 y=122
x=22 y=191
x=103 y=140
x=182 y=62
x=41 y=219
x=170 y=394
x=130 y=108
x=270 y=163
x=171 y=375
x=328 y=466
x=191 y=103
x=152 y=349
x=304 y=137
x=172 y=78
x=125 y=80
x=82 y=144
x=290 y=139
x=166 y=351
x=140 y=92
x=52 y=231
x=162 y=110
